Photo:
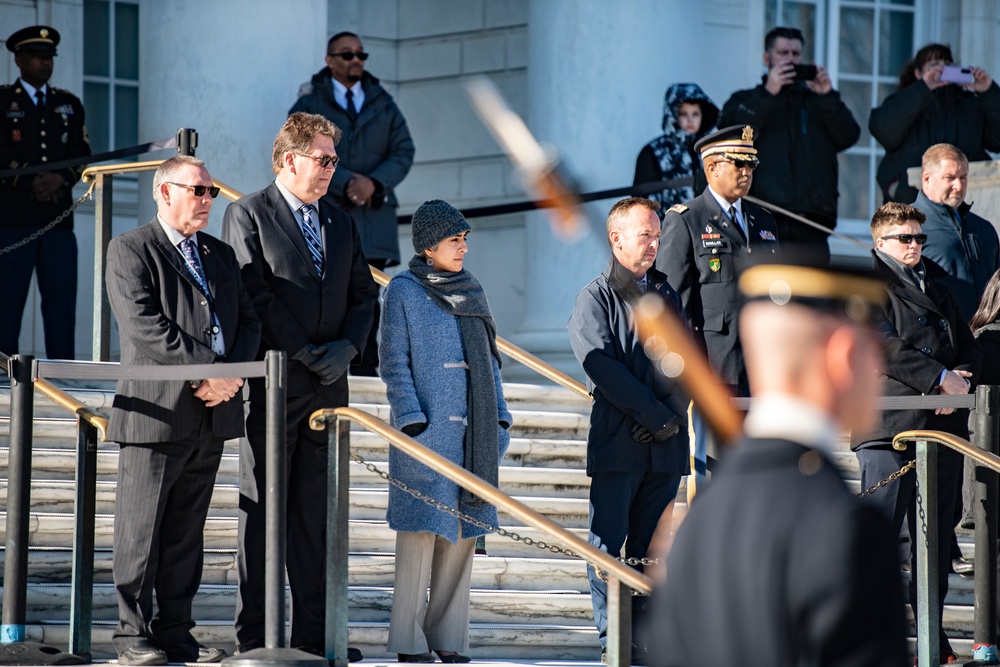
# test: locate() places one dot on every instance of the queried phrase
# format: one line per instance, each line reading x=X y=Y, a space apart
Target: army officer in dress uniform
x=40 y=124
x=706 y=243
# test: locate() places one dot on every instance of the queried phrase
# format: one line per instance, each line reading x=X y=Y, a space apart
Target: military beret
x=35 y=39
x=734 y=142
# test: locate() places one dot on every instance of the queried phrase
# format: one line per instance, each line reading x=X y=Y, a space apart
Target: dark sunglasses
x=907 y=239
x=325 y=161
x=742 y=164
x=199 y=190
x=350 y=55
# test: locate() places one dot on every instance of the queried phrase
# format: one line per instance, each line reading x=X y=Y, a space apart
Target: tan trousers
x=419 y=623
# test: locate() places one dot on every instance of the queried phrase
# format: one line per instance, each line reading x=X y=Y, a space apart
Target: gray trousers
x=440 y=621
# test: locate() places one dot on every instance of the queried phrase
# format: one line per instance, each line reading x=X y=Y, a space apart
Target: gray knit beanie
x=436 y=220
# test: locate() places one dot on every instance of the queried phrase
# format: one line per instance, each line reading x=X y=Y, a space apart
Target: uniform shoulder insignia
x=678 y=208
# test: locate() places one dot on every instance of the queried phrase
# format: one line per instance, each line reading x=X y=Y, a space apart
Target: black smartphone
x=805 y=72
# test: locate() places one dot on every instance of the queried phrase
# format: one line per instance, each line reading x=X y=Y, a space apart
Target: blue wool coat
x=422 y=362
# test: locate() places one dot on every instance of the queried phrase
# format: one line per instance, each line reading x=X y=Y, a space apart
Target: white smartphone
x=957 y=74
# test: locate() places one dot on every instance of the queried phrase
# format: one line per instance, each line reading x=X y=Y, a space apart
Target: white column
x=231 y=71
x=596 y=78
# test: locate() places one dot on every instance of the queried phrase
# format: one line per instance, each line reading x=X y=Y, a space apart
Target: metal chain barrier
x=444 y=507
x=59 y=218
x=888 y=480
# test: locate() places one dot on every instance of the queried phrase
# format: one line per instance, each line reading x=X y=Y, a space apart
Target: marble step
x=367 y=604
x=58 y=496
x=56 y=530
x=59 y=464
x=53 y=565
x=531 y=643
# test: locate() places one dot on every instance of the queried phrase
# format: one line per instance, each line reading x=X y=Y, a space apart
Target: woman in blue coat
x=441 y=368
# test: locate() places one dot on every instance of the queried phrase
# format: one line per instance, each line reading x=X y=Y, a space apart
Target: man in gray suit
x=313 y=291
x=179 y=299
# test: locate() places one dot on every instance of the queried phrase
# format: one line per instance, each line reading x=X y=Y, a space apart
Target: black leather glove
x=305 y=354
x=330 y=361
x=668 y=431
x=413 y=430
x=641 y=434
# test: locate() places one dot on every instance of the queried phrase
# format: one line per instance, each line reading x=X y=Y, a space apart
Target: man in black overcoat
x=637 y=445
x=929 y=350
x=177 y=295
x=777 y=563
x=313 y=291
x=706 y=244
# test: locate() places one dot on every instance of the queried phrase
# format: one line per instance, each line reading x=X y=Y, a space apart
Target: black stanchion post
x=986 y=437
x=928 y=622
x=82 y=601
x=274 y=654
x=102 y=236
x=337 y=518
x=187 y=141
x=15 y=570
x=14 y=650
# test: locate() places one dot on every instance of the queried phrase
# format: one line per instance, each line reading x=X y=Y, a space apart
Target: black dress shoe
x=142 y=652
x=250 y=645
x=353 y=654
x=194 y=652
x=415 y=657
x=452 y=656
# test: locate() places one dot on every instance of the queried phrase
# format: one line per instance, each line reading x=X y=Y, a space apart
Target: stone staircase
x=526 y=603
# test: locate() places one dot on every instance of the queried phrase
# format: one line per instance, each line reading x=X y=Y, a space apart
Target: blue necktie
x=194 y=266
x=312 y=239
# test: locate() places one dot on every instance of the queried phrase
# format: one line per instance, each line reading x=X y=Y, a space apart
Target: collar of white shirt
x=340 y=94
x=787 y=417
x=293 y=202
x=31 y=89
x=174 y=236
x=725 y=205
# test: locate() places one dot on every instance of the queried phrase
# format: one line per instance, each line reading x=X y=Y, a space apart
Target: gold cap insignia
x=747 y=133
x=44 y=33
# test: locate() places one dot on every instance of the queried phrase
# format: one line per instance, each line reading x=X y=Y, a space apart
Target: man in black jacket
x=637 y=448
x=376 y=153
x=929 y=350
x=803 y=125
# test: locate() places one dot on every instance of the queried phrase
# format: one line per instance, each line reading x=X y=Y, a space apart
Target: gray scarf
x=916 y=276
x=460 y=294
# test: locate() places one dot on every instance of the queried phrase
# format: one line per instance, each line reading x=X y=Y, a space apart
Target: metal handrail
x=456 y=473
x=518 y=354
x=961 y=445
x=65 y=401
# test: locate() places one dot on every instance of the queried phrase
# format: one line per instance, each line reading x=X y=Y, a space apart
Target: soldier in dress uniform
x=39 y=124
x=706 y=243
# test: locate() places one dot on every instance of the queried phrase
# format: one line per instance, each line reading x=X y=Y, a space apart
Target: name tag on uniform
x=714 y=243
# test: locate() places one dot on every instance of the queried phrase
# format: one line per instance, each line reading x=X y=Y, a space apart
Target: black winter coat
x=626 y=386
x=925 y=335
x=800 y=135
x=913 y=119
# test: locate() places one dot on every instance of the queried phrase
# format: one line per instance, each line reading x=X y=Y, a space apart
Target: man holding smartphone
x=803 y=124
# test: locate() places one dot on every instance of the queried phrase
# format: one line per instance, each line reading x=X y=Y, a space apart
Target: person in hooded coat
x=442 y=373
x=688 y=115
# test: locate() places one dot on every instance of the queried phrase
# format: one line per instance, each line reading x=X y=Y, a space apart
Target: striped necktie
x=312 y=238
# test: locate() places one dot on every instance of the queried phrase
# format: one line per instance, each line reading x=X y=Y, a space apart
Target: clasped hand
x=218 y=390
x=954 y=383
x=641 y=434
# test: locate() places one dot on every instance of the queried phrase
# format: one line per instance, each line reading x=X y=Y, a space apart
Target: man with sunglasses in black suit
x=929 y=350
x=376 y=153
x=178 y=298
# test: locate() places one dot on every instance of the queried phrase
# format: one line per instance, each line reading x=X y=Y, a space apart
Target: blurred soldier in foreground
x=777 y=563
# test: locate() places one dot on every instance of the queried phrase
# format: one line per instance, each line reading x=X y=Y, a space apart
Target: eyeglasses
x=199 y=190
x=325 y=161
x=349 y=55
x=742 y=164
x=907 y=239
